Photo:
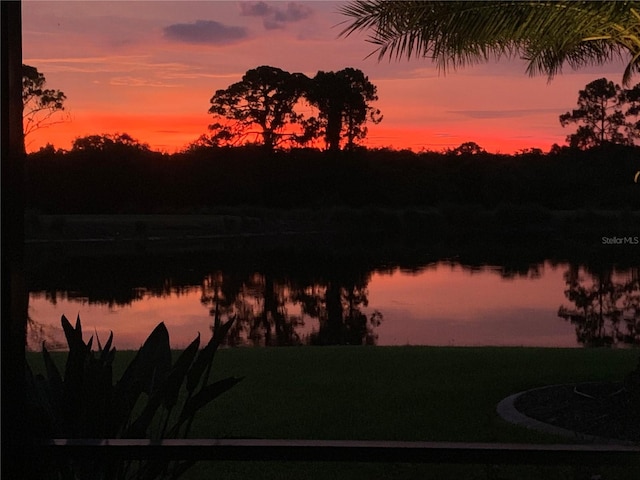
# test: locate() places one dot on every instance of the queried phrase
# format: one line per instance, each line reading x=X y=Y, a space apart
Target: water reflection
x=273 y=311
x=39 y=333
x=259 y=305
x=293 y=298
x=606 y=305
x=337 y=304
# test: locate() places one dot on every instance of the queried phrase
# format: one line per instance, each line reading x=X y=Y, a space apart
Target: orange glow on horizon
x=172 y=133
x=434 y=140
x=165 y=133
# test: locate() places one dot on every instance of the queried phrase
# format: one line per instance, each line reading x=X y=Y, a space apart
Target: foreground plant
x=154 y=399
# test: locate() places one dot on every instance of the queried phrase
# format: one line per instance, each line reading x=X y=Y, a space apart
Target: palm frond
x=457 y=33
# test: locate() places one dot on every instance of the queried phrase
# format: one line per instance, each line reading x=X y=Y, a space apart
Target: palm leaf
x=549 y=34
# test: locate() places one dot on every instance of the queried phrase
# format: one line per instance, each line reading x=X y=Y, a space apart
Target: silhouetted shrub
x=153 y=399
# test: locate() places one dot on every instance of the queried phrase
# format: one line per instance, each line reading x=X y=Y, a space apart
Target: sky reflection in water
x=443 y=304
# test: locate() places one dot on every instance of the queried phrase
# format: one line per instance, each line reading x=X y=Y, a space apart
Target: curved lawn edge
x=508 y=412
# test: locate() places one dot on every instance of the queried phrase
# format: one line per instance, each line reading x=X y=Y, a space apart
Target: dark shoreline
x=426 y=223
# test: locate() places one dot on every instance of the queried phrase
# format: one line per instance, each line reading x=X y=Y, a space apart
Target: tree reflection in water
x=336 y=303
x=39 y=333
x=606 y=305
x=261 y=304
x=295 y=296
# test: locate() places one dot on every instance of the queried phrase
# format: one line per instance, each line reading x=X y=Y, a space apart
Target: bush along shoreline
x=134 y=181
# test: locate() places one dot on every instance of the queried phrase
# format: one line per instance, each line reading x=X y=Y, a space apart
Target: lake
x=295 y=298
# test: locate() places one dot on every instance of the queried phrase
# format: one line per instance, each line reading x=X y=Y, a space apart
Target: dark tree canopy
x=632 y=113
x=106 y=142
x=262 y=107
x=262 y=104
x=467 y=148
x=343 y=102
x=39 y=103
x=605 y=115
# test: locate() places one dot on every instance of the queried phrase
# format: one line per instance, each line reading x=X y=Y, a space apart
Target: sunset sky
x=149 y=69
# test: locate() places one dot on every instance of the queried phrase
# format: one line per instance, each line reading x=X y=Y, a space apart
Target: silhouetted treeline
x=129 y=180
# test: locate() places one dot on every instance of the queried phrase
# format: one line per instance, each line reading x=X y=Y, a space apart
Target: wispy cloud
x=274 y=17
x=123 y=64
x=94 y=64
x=195 y=74
x=99 y=59
x=487 y=114
x=205 y=32
x=444 y=135
x=140 y=82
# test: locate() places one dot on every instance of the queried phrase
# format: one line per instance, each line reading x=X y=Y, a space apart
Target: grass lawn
x=388 y=393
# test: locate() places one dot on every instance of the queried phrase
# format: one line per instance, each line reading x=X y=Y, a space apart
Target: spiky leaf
x=206 y=395
x=178 y=373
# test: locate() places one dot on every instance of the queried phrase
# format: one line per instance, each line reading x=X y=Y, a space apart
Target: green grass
x=391 y=393
x=387 y=393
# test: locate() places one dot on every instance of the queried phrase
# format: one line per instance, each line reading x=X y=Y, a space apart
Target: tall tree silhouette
x=343 y=101
x=262 y=103
x=632 y=113
x=601 y=111
x=546 y=34
x=40 y=104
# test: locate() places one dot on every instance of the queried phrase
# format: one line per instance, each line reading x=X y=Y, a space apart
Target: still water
x=441 y=303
